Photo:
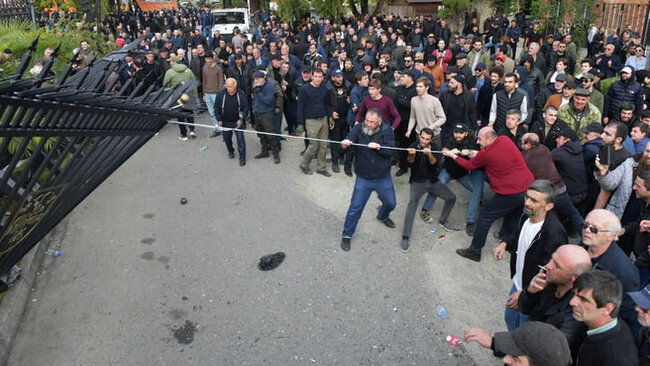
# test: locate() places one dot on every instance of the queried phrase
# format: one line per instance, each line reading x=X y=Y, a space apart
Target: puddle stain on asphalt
x=185 y=334
x=147 y=255
x=148 y=241
x=148 y=216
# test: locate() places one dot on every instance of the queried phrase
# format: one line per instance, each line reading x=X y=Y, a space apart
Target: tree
x=454 y=10
x=332 y=9
x=360 y=7
x=291 y=9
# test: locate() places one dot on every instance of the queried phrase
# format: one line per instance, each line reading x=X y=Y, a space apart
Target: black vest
x=504 y=104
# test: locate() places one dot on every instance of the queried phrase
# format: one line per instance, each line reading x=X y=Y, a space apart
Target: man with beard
x=466 y=147
x=458 y=105
x=340 y=102
x=372 y=164
x=424 y=178
x=625 y=90
x=405 y=92
x=505 y=100
x=485 y=95
x=540 y=234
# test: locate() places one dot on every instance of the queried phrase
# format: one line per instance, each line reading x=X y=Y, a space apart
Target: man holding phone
x=614 y=166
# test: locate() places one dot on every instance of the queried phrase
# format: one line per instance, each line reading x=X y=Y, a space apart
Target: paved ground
x=144 y=280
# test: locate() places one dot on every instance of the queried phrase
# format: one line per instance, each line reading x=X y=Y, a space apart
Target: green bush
x=19 y=35
x=605 y=84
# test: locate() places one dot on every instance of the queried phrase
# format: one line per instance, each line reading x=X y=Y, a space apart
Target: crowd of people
x=500 y=102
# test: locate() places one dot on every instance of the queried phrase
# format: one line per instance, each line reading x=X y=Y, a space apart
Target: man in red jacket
x=509 y=178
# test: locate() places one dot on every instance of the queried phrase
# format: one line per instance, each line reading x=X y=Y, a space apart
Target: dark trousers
x=418 y=189
x=338 y=133
x=564 y=206
x=264 y=123
x=507 y=206
x=290 y=112
x=183 y=128
x=241 y=142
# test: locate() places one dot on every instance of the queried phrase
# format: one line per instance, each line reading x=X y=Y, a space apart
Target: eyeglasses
x=639 y=50
x=594 y=230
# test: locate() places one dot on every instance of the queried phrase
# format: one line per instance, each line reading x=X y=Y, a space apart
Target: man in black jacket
x=539 y=236
x=549 y=127
x=547 y=297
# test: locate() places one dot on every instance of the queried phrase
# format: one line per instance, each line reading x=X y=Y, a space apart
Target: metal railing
x=59 y=141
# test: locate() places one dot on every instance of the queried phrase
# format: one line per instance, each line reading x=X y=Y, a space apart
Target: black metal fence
x=16 y=9
x=59 y=141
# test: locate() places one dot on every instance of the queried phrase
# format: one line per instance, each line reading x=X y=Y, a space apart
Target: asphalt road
x=145 y=280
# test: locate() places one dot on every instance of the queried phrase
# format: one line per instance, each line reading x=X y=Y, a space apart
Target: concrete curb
x=17 y=297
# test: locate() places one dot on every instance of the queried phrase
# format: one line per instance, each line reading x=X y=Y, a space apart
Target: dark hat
x=277 y=57
x=432 y=57
x=583 y=92
x=641 y=298
x=461 y=55
x=588 y=76
x=7 y=50
x=367 y=60
x=451 y=70
x=305 y=69
x=341 y=50
x=460 y=127
x=410 y=73
x=258 y=74
x=481 y=66
x=259 y=41
x=386 y=51
x=592 y=127
x=560 y=77
x=542 y=343
x=568 y=133
x=337 y=72
x=570 y=85
x=459 y=78
x=163 y=50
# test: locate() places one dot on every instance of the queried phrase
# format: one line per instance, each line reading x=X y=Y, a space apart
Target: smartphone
x=606 y=153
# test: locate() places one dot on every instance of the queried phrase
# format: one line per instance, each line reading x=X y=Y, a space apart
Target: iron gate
x=59 y=142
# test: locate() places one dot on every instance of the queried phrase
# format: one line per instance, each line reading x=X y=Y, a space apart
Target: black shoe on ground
x=262 y=155
x=469 y=228
x=276 y=157
x=448 y=227
x=405 y=244
x=345 y=244
x=401 y=172
x=231 y=155
x=307 y=171
x=324 y=173
x=497 y=235
x=242 y=162
x=466 y=253
x=348 y=170
x=335 y=168
x=388 y=222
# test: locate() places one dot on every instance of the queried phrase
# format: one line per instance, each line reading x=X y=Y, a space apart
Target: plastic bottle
x=203 y=148
x=441 y=311
x=52 y=252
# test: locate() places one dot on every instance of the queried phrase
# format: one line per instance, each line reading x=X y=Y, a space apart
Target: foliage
x=18 y=36
x=605 y=84
x=291 y=9
x=503 y=6
x=329 y=8
x=454 y=9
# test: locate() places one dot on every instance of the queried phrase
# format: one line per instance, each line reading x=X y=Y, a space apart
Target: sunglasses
x=639 y=50
x=594 y=230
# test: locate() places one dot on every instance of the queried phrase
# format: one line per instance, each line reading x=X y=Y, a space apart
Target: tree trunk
x=380 y=4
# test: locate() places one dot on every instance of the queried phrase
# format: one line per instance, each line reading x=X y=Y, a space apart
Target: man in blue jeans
x=471 y=180
x=372 y=164
x=230 y=110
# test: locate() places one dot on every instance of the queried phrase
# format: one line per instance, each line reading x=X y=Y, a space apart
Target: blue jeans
x=507 y=206
x=241 y=142
x=565 y=208
x=209 y=102
x=514 y=318
x=473 y=182
x=362 y=190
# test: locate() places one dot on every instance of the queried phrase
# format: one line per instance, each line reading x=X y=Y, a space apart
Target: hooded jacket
x=570 y=164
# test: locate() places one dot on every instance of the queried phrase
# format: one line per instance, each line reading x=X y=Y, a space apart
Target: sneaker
x=324 y=173
x=348 y=170
x=424 y=215
x=231 y=155
x=388 y=222
x=276 y=157
x=497 y=235
x=466 y=253
x=192 y=134
x=345 y=244
x=335 y=168
x=307 y=171
x=215 y=133
x=447 y=226
x=242 y=162
x=300 y=129
x=405 y=244
x=469 y=228
x=401 y=172
x=263 y=154
x=182 y=138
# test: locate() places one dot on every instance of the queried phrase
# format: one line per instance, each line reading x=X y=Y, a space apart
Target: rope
x=287 y=136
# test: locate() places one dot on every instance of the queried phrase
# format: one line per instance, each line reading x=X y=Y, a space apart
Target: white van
x=225 y=20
